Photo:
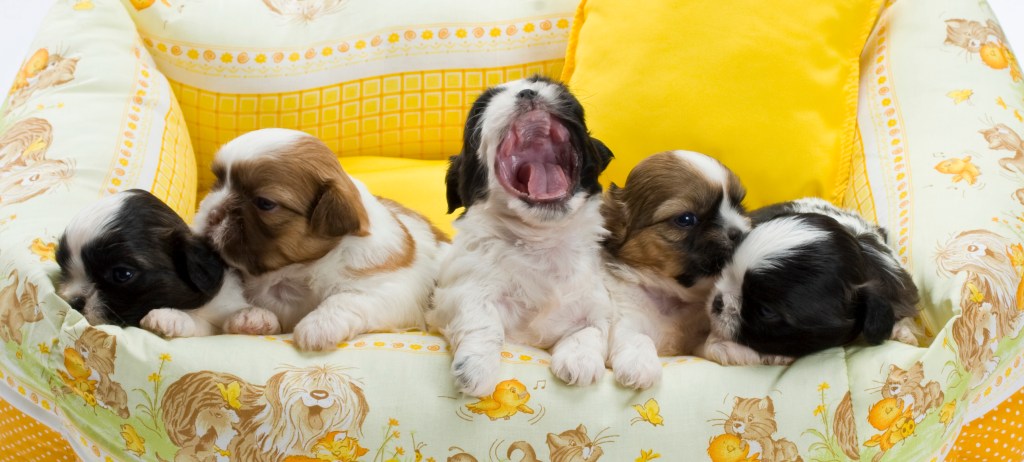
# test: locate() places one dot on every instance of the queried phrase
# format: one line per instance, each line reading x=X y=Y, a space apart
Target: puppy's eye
x=122 y=275
x=264 y=204
x=685 y=220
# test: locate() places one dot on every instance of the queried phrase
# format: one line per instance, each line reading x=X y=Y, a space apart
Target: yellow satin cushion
x=768 y=88
x=417 y=184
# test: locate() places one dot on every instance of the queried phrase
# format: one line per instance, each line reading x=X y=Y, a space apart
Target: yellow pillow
x=768 y=88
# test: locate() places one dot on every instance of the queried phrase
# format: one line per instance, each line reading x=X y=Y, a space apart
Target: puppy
x=314 y=247
x=809 y=276
x=673 y=227
x=525 y=266
x=129 y=260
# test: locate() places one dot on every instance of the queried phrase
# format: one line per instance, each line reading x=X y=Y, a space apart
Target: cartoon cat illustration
x=91 y=362
x=17 y=310
x=303 y=10
x=35 y=76
x=461 y=456
x=987 y=40
x=569 y=446
x=909 y=385
x=753 y=420
x=962 y=169
x=1000 y=137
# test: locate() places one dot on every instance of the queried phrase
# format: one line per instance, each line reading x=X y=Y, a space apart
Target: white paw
x=777 y=360
x=731 y=354
x=169 y=323
x=577 y=365
x=322 y=329
x=637 y=368
x=252 y=321
x=903 y=332
x=476 y=372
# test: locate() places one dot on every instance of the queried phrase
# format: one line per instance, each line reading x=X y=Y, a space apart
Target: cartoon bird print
x=30 y=68
x=650 y=412
x=959 y=96
x=730 y=448
x=962 y=169
x=44 y=250
x=894 y=420
x=132 y=441
x=509 y=397
x=76 y=379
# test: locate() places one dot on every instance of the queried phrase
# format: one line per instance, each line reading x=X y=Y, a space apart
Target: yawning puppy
x=525 y=266
x=329 y=259
x=809 y=276
x=130 y=260
x=673 y=227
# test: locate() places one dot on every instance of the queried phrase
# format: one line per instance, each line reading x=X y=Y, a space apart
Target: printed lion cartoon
x=753 y=421
x=17 y=310
x=25 y=172
x=292 y=413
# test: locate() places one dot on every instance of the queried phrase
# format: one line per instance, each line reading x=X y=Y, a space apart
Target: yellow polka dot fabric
x=996 y=436
x=24 y=439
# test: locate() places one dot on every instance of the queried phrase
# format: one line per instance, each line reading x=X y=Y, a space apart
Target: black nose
x=78 y=303
x=527 y=94
x=716 y=305
x=734 y=234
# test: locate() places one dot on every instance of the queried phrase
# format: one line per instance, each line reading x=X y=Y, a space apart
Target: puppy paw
x=322 y=329
x=731 y=354
x=476 y=372
x=777 y=360
x=252 y=321
x=637 y=369
x=169 y=323
x=903 y=332
x=577 y=365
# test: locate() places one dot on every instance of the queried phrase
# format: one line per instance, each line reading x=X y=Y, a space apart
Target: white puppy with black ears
x=315 y=248
x=526 y=265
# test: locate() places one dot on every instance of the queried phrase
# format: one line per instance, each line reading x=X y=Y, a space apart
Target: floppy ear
x=339 y=211
x=200 y=265
x=603 y=153
x=879 y=318
x=616 y=217
x=451 y=181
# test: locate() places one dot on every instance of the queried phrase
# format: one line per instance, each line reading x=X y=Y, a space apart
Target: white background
x=19 y=19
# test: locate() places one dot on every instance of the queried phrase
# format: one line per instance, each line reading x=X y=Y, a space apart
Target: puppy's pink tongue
x=543 y=180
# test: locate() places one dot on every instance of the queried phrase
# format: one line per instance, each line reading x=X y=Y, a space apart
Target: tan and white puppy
x=673 y=227
x=526 y=266
x=315 y=248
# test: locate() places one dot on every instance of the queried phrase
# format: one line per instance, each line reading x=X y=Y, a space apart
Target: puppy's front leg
x=633 y=356
x=339 y=318
x=173 y=323
x=476 y=336
x=579 y=358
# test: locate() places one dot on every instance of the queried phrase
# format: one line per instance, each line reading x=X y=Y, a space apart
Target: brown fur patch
x=639 y=215
x=399 y=209
x=396 y=260
x=317 y=205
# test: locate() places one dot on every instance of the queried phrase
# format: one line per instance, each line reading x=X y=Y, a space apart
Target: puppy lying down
x=129 y=260
x=809 y=276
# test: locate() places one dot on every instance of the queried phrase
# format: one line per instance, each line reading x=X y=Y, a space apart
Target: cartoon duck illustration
x=335 y=446
x=46 y=251
x=896 y=422
x=962 y=169
x=509 y=398
x=77 y=376
x=730 y=448
x=132 y=441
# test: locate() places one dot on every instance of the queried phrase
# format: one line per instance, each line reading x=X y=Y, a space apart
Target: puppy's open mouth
x=535 y=159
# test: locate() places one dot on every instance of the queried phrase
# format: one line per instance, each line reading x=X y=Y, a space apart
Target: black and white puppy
x=526 y=265
x=129 y=260
x=809 y=276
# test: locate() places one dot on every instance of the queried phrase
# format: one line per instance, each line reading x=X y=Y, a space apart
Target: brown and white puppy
x=673 y=227
x=315 y=248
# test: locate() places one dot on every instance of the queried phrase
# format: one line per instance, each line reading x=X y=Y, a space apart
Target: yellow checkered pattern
x=417 y=115
x=175 y=179
x=858 y=194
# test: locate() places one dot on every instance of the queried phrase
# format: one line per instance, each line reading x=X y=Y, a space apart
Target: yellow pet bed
x=911 y=112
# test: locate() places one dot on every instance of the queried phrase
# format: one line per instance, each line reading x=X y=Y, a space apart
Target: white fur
x=91 y=222
x=325 y=302
x=227 y=312
x=523 y=274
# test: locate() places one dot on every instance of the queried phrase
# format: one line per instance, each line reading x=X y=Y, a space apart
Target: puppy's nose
x=716 y=305
x=734 y=234
x=78 y=303
x=527 y=94
x=318 y=394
